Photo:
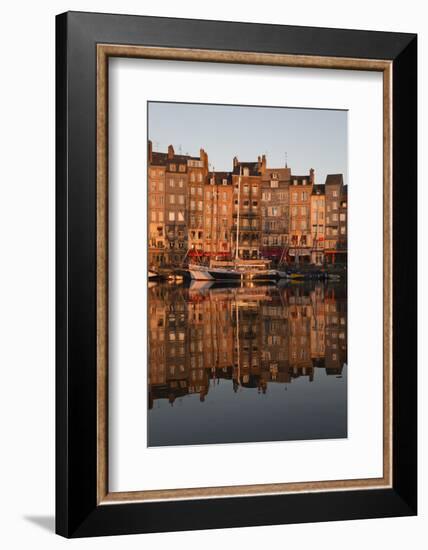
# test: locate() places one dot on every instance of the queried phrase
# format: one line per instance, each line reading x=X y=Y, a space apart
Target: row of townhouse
x=253 y=211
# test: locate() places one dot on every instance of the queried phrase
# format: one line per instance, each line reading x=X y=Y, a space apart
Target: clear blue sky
x=312 y=138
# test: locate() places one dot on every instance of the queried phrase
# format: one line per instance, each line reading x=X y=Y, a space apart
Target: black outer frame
x=77 y=513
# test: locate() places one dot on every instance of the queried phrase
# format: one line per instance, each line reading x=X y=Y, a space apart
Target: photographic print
x=247 y=274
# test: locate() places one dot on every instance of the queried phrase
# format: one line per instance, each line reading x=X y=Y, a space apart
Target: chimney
x=203 y=157
x=235 y=162
x=150 y=151
x=263 y=163
x=312 y=176
x=171 y=152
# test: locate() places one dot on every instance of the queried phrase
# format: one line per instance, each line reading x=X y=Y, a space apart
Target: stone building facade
x=247 y=177
x=300 y=217
x=275 y=212
x=335 y=218
x=218 y=215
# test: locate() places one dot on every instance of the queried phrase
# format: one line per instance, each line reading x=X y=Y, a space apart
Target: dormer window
x=304 y=182
x=295 y=182
x=172 y=167
x=246 y=172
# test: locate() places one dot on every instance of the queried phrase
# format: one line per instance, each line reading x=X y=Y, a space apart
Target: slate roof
x=334 y=179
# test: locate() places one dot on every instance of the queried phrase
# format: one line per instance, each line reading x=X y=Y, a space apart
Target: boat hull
x=214 y=275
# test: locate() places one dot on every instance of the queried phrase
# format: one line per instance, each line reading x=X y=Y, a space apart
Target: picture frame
x=84 y=44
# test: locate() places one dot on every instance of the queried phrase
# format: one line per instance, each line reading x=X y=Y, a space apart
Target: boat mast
x=237 y=221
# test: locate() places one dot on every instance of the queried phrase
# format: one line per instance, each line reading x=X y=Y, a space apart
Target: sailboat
x=237 y=269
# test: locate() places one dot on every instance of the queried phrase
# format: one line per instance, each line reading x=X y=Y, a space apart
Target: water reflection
x=235 y=364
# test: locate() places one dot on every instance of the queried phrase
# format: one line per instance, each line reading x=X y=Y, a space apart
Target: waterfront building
x=156 y=207
x=246 y=176
x=275 y=212
x=194 y=212
x=197 y=179
x=318 y=224
x=300 y=190
x=342 y=244
x=175 y=207
x=218 y=216
x=333 y=194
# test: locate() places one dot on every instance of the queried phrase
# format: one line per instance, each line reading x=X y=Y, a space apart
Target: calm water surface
x=231 y=364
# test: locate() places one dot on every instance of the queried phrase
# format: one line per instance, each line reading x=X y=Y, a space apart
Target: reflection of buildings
x=251 y=336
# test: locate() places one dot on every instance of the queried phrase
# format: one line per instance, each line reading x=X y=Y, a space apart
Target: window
x=246 y=189
x=182 y=168
x=180 y=199
x=304 y=182
x=342 y=217
x=160 y=215
x=171 y=216
x=171 y=183
x=334 y=192
x=255 y=189
x=153 y=215
x=255 y=204
x=172 y=199
x=303 y=224
x=334 y=206
x=303 y=210
x=180 y=182
x=192 y=176
x=304 y=196
x=208 y=195
x=199 y=176
x=199 y=205
x=180 y=217
x=192 y=190
x=246 y=172
x=295 y=196
x=172 y=167
x=342 y=230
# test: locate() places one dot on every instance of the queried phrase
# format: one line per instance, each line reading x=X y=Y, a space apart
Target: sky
x=305 y=138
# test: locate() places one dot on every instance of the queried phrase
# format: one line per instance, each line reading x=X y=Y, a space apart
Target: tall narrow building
x=275 y=209
x=247 y=230
x=300 y=218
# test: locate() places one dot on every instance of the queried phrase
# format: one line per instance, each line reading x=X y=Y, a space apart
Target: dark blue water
x=262 y=363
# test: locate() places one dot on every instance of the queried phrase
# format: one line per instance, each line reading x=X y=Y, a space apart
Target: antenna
x=286 y=158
